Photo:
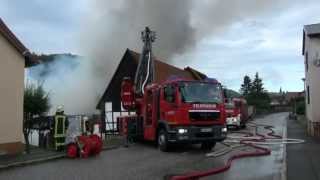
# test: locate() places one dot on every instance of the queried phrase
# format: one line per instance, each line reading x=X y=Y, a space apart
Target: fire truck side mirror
x=127 y=94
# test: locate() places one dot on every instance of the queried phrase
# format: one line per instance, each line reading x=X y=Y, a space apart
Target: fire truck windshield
x=199 y=92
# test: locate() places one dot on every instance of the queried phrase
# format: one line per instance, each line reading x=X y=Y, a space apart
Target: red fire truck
x=236 y=112
x=175 y=111
x=233 y=115
x=243 y=109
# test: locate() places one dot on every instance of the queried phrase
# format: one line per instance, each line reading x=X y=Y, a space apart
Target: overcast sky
x=269 y=43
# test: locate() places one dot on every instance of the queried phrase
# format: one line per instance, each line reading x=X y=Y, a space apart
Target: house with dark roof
x=311 y=52
x=284 y=98
x=110 y=103
x=196 y=74
x=14 y=57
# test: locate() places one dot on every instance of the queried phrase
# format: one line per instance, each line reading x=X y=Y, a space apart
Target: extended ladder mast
x=145 y=70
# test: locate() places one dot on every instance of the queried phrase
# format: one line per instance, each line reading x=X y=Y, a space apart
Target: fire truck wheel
x=208 y=145
x=163 y=140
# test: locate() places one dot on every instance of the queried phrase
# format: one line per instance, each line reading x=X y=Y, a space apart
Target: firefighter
x=60 y=126
x=85 y=126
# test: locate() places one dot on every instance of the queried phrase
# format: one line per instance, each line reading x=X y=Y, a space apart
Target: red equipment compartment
x=122 y=125
x=132 y=125
x=127 y=94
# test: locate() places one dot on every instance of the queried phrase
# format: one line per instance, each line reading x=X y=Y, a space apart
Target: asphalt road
x=144 y=161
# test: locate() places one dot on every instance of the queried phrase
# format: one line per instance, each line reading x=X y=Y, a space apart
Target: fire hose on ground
x=248 y=140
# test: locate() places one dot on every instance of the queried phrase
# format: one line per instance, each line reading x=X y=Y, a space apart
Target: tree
x=36 y=103
x=257 y=85
x=282 y=96
x=256 y=94
x=246 y=86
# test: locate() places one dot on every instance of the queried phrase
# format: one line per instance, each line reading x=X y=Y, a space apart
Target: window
x=169 y=94
x=200 y=92
x=307 y=62
x=308 y=94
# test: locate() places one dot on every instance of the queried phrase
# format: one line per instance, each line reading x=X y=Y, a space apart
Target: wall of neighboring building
x=312 y=84
x=11 y=97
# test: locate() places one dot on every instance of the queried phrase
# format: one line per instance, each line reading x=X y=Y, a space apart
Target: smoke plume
x=112 y=26
x=69 y=81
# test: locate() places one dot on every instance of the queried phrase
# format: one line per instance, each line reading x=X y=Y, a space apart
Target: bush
x=36 y=103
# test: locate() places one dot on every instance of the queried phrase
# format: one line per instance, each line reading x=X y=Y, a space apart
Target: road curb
x=33 y=161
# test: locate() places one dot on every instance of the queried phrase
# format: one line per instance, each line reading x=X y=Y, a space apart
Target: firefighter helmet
x=60 y=109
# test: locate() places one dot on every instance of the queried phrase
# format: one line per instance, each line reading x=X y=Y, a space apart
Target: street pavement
x=145 y=161
x=303 y=160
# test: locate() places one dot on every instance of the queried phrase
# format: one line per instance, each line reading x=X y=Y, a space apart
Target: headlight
x=224 y=130
x=182 y=131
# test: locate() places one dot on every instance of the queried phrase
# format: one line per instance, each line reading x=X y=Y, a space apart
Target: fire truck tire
x=163 y=140
x=208 y=145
